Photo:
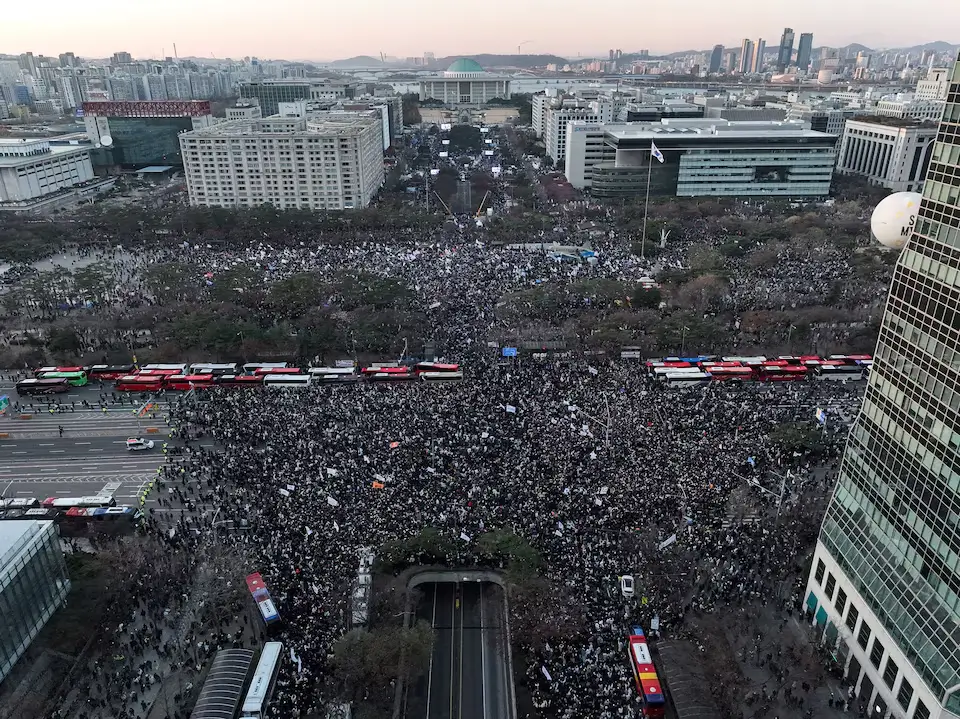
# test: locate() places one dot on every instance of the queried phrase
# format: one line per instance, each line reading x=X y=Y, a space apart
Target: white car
x=137 y=443
x=626 y=585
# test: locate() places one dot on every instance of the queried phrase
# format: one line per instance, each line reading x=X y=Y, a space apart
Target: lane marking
x=8 y=445
x=55 y=451
x=82 y=443
x=95 y=450
x=433 y=624
x=50 y=444
x=19 y=452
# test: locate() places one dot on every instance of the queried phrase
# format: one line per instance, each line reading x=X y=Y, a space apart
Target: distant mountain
x=937 y=46
x=358 y=61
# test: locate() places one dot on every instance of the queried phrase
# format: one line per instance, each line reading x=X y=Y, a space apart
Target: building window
x=905 y=694
x=852 y=618
x=841 y=602
x=876 y=653
x=830 y=585
x=863 y=638
x=890 y=672
x=821 y=568
x=921 y=712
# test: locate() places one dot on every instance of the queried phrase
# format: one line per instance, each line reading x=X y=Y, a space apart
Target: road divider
x=152 y=430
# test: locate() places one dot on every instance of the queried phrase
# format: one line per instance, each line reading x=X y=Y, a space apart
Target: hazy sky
x=330 y=29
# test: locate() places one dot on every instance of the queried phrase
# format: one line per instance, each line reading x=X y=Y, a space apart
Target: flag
x=654 y=152
x=332 y=502
x=309 y=531
x=284 y=492
x=821 y=416
x=511 y=409
x=378 y=485
x=394 y=445
x=667 y=542
x=546 y=673
x=464 y=536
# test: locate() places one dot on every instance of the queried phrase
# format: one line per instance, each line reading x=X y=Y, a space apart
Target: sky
x=332 y=29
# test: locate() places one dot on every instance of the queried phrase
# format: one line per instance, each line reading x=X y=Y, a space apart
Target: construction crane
x=525 y=42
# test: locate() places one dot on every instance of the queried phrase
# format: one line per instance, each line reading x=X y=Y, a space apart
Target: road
x=467 y=677
x=89 y=458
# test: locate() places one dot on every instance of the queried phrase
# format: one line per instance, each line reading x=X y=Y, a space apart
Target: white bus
x=664 y=372
x=440 y=376
x=287 y=380
x=263 y=682
x=841 y=373
x=215 y=369
x=687 y=379
x=252 y=367
x=70 y=502
x=333 y=372
x=759 y=359
x=181 y=368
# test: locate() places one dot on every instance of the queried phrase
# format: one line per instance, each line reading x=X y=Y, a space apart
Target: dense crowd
x=521 y=447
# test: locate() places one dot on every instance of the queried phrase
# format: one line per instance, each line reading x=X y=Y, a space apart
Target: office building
x=34 y=174
x=271 y=93
x=709 y=158
x=131 y=135
x=910 y=108
x=804 y=52
x=555 y=127
x=884 y=586
x=33 y=584
x=758 y=50
x=934 y=85
x=831 y=120
x=585 y=147
x=785 y=53
x=465 y=83
x=297 y=162
x=746 y=57
x=887 y=151
x=716 y=59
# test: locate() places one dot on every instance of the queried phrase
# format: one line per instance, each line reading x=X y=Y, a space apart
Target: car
x=626 y=585
x=138 y=443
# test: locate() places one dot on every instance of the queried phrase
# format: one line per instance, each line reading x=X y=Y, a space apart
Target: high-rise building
x=121 y=58
x=68 y=59
x=339 y=162
x=758 y=50
x=885 y=582
x=716 y=59
x=804 y=51
x=746 y=56
x=785 y=54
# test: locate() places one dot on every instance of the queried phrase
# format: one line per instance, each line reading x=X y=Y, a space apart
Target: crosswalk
x=733 y=519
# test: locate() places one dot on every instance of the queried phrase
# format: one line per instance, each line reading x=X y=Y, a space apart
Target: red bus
x=139 y=383
x=277 y=370
x=187 y=382
x=653 y=701
x=240 y=380
x=788 y=373
x=43 y=370
x=722 y=374
x=383 y=376
x=102 y=371
x=261 y=595
x=158 y=372
x=435 y=367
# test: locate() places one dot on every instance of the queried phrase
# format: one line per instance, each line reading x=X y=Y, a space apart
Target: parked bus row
x=73 y=520
x=183 y=377
x=700 y=370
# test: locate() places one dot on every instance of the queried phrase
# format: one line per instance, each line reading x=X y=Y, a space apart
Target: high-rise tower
x=804 y=51
x=785 y=54
x=746 y=56
x=885 y=583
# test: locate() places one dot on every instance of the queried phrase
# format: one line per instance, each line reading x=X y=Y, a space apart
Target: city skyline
x=136 y=29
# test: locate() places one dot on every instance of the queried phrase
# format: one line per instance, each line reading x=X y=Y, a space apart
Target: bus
x=759 y=359
x=662 y=372
x=783 y=373
x=652 y=698
x=435 y=367
x=724 y=374
x=158 y=372
x=440 y=376
x=261 y=595
x=239 y=380
x=100 y=500
x=214 y=369
x=252 y=367
x=286 y=380
x=263 y=682
x=277 y=370
x=331 y=372
x=391 y=376
x=51 y=385
x=18 y=502
x=103 y=371
x=187 y=382
x=43 y=370
x=76 y=379
x=180 y=368
x=686 y=379
x=139 y=383
x=840 y=372
x=385 y=367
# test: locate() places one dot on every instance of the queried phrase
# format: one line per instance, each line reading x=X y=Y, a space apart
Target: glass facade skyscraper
x=885 y=582
x=33 y=584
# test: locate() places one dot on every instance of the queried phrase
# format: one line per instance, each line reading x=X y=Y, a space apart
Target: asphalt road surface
x=89 y=458
x=467 y=677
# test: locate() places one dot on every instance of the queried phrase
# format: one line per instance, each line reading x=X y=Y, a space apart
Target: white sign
x=444 y=142
x=444 y=154
x=667 y=542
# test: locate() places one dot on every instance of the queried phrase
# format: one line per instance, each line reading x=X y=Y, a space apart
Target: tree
x=367 y=663
x=93 y=282
x=646 y=298
x=64 y=342
x=465 y=138
x=703 y=293
x=173 y=281
x=294 y=295
x=410 y=107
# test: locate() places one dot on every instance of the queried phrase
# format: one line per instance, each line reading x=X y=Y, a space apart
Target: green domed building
x=465 y=82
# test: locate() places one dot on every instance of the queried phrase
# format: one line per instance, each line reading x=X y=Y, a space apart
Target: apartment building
x=303 y=162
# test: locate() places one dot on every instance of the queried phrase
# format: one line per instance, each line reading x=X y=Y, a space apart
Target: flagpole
x=646 y=206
